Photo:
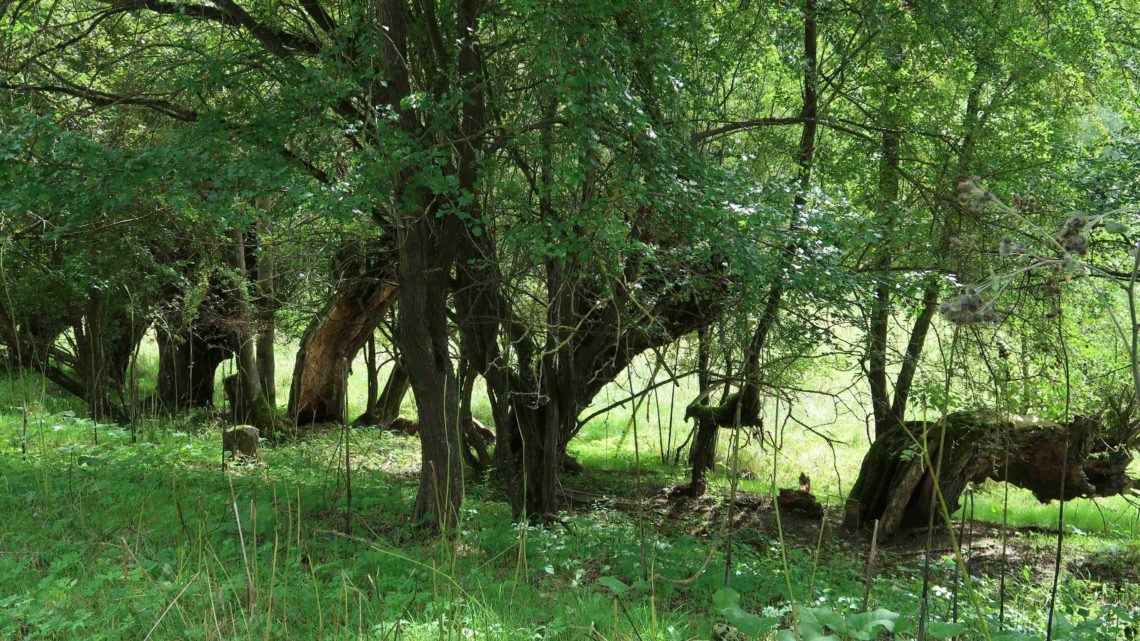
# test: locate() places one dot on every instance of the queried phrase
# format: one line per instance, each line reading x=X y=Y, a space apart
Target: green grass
x=124 y=539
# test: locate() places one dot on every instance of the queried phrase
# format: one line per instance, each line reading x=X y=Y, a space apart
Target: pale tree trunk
x=330 y=342
x=249 y=401
x=267 y=329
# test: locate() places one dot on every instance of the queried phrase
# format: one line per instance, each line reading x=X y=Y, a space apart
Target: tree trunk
x=91 y=357
x=888 y=412
x=386 y=408
x=702 y=455
x=742 y=409
x=423 y=340
x=372 y=371
x=267 y=327
x=475 y=436
x=248 y=400
x=188 y=361
x=879 y=326
x=330 y=342
x=896 y=484
x=106 y=335
x=392 y=398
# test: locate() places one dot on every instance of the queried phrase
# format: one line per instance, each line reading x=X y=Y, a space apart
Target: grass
x=154 y=539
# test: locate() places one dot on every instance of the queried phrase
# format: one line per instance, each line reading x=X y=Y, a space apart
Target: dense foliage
x=914 y=209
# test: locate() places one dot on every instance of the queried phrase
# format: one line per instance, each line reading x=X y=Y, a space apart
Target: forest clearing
x=803 y=320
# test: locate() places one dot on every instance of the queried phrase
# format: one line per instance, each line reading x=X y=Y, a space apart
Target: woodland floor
x=123 y=540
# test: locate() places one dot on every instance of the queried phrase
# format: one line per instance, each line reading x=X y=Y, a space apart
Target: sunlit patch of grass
x=1112 y=516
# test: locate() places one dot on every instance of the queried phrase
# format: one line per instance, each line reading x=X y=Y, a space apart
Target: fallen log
x=896 y=482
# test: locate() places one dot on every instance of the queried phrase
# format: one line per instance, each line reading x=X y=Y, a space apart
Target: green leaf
x=1115 y=227
x=786 y=635
x=864 y=626
x=944 y=629
x=726 y=603
x=1062 y=629
x=749 y=623
x=726 y=598
x=614 y=584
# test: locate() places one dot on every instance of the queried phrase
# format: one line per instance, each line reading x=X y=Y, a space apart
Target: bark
x=372 y=371
x=392 y=398
x=247 y=396
x=188 y=360
x=896 y=484
x=702 y=455
x=91 y=357
x=429 y=243
x=423 y=335
x=476 y=437
x=386 y=408
x=267 y=329
x=330 y=342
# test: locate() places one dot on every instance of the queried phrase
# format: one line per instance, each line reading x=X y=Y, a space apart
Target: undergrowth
x=155 y=539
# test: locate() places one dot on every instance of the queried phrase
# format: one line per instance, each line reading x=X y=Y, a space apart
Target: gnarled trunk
x=330 y=342
x=188 y=360
x=896 y=482
x=386 y=408
x=423 y=337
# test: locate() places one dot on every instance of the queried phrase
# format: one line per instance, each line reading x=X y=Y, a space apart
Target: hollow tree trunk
x=896 y=485
x=329 y=343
